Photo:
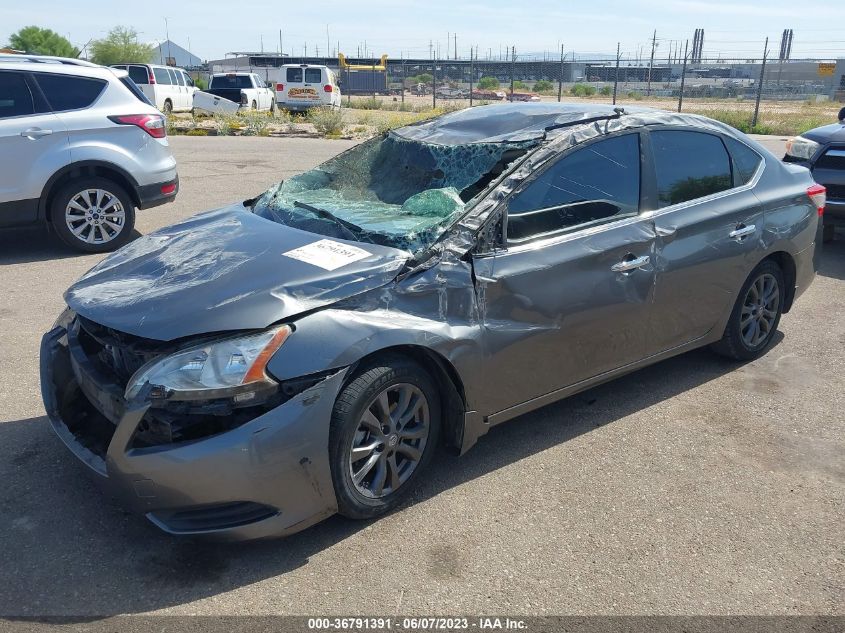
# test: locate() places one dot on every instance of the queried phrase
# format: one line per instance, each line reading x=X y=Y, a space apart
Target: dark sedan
x=822 y=150
x=255 y=369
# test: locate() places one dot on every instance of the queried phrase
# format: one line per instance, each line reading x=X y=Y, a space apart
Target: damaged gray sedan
x=255 y=369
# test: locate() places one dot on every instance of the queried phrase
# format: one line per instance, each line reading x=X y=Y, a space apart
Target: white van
x=303 y=86
x=169 y=89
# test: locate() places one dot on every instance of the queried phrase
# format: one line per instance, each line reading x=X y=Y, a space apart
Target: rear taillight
x=151 y=78
x=280 y=87
x=327 y=88
x=166 y=190
x=152 y=124
x=818 y=194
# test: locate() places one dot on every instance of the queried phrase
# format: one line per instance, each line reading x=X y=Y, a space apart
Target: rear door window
x=162 y=76
x=313 y=75
x=66 y=92
x=173 y=78
x=589 y=186
x=139 y=75
x=15 y=96
x=689 y=165
x=746 y=160
x=294 y=75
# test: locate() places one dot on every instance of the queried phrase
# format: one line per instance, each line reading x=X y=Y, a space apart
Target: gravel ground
x=695 y=486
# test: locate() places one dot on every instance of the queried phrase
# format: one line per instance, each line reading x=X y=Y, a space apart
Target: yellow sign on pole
x=826 y=69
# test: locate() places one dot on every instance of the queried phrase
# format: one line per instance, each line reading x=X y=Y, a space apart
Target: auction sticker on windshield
x=327 y=254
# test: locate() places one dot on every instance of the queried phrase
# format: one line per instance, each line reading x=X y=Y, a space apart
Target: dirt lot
x=696 y=486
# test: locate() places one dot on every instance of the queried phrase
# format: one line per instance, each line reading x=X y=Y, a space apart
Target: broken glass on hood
x=389 y=190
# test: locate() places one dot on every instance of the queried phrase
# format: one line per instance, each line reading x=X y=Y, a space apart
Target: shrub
x=255 y=124
x=327 y=120
x=200 y=83
x=544 y=85
x=636 y=96
x=197 y=131
x=226 y=124
x=370 y=103
x=582 y=90
x=606 y=90
x=488 y=83
x=520 y=85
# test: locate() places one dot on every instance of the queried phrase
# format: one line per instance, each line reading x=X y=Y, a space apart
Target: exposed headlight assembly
x=228 y=368
x=800 y=147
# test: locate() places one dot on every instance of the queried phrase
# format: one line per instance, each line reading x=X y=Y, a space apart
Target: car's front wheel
x=756 y=314
x=94 y=215
x=384 y=430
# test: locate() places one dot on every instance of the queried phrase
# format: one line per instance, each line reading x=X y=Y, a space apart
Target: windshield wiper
x=354 y=230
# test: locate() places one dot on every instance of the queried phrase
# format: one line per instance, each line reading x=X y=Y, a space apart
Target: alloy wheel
x=389 y=441
x=95 y=216
x=759 y=310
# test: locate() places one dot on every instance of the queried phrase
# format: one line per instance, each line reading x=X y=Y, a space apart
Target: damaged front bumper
x=267 y=477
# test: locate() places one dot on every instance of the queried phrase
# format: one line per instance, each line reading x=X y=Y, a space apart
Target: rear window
x=162 y=76
x=66 y=92
x=294 y=75
x=135 y=90
x=15 y=97
x=313 y=75
x=689 y=165
x=139 y=75
x=231 y=81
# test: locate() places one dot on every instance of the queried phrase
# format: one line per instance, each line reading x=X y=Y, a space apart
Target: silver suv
x=82 y=147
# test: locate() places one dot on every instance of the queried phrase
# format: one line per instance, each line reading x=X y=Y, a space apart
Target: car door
x=568 y=296
x=34 y=144
x=708 y=225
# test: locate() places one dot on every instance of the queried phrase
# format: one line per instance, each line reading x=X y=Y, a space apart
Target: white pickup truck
x=245 y=89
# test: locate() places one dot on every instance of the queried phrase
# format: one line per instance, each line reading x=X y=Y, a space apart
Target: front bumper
x=268 y=477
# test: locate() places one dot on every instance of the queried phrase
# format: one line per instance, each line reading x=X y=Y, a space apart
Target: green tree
x=38 y=41
x=121 y=45
x=425 y=78
x=488 y=83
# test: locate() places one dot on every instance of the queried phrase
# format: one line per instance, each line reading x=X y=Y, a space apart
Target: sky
x=412 y=28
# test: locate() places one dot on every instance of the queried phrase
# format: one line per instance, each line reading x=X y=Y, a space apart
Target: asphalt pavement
x=695 y=486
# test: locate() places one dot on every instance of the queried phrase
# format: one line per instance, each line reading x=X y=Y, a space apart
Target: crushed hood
x=226 y=270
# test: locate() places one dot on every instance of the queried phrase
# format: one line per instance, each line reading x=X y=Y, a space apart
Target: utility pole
x=167 y=34
x=513 y=68
x=328 y=46
x=456 y=45
x=560 y=79
x=760 y=86
x=651 y=62
x=683 y=77
x=616 y=76
x=281 y=48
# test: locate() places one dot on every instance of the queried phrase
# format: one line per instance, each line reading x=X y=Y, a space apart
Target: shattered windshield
x=388 y=190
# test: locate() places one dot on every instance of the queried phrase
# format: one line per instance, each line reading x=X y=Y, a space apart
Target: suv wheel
x=168 y=107
x=94 y=215
x=383 y=433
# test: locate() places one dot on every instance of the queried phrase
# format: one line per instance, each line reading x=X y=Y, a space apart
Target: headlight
x=64 y=319
x=801 y=147
x=231 y=367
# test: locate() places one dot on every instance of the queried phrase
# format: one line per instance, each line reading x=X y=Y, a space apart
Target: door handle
x=35 y=132
x=742 y=231
x=627 y=265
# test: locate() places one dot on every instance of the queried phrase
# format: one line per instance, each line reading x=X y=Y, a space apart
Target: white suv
x=82 y=147
x=169 y=89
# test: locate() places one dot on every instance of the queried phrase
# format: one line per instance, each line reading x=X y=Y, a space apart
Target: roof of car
x=521 y=122
x=84 y=68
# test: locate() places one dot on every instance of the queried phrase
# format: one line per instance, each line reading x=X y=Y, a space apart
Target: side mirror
x=842 y=115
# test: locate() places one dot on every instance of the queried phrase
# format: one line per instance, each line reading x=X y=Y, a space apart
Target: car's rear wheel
x=756 y=314
x=384 y=431
x=94 y=215
x=168 y=107
x=254 y=105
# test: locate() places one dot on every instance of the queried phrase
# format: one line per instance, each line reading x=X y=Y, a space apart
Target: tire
x=750 y=329
x=76 y=216
x=389 y=459
x=254 y=105
x=168 y=107
x=272 y=108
